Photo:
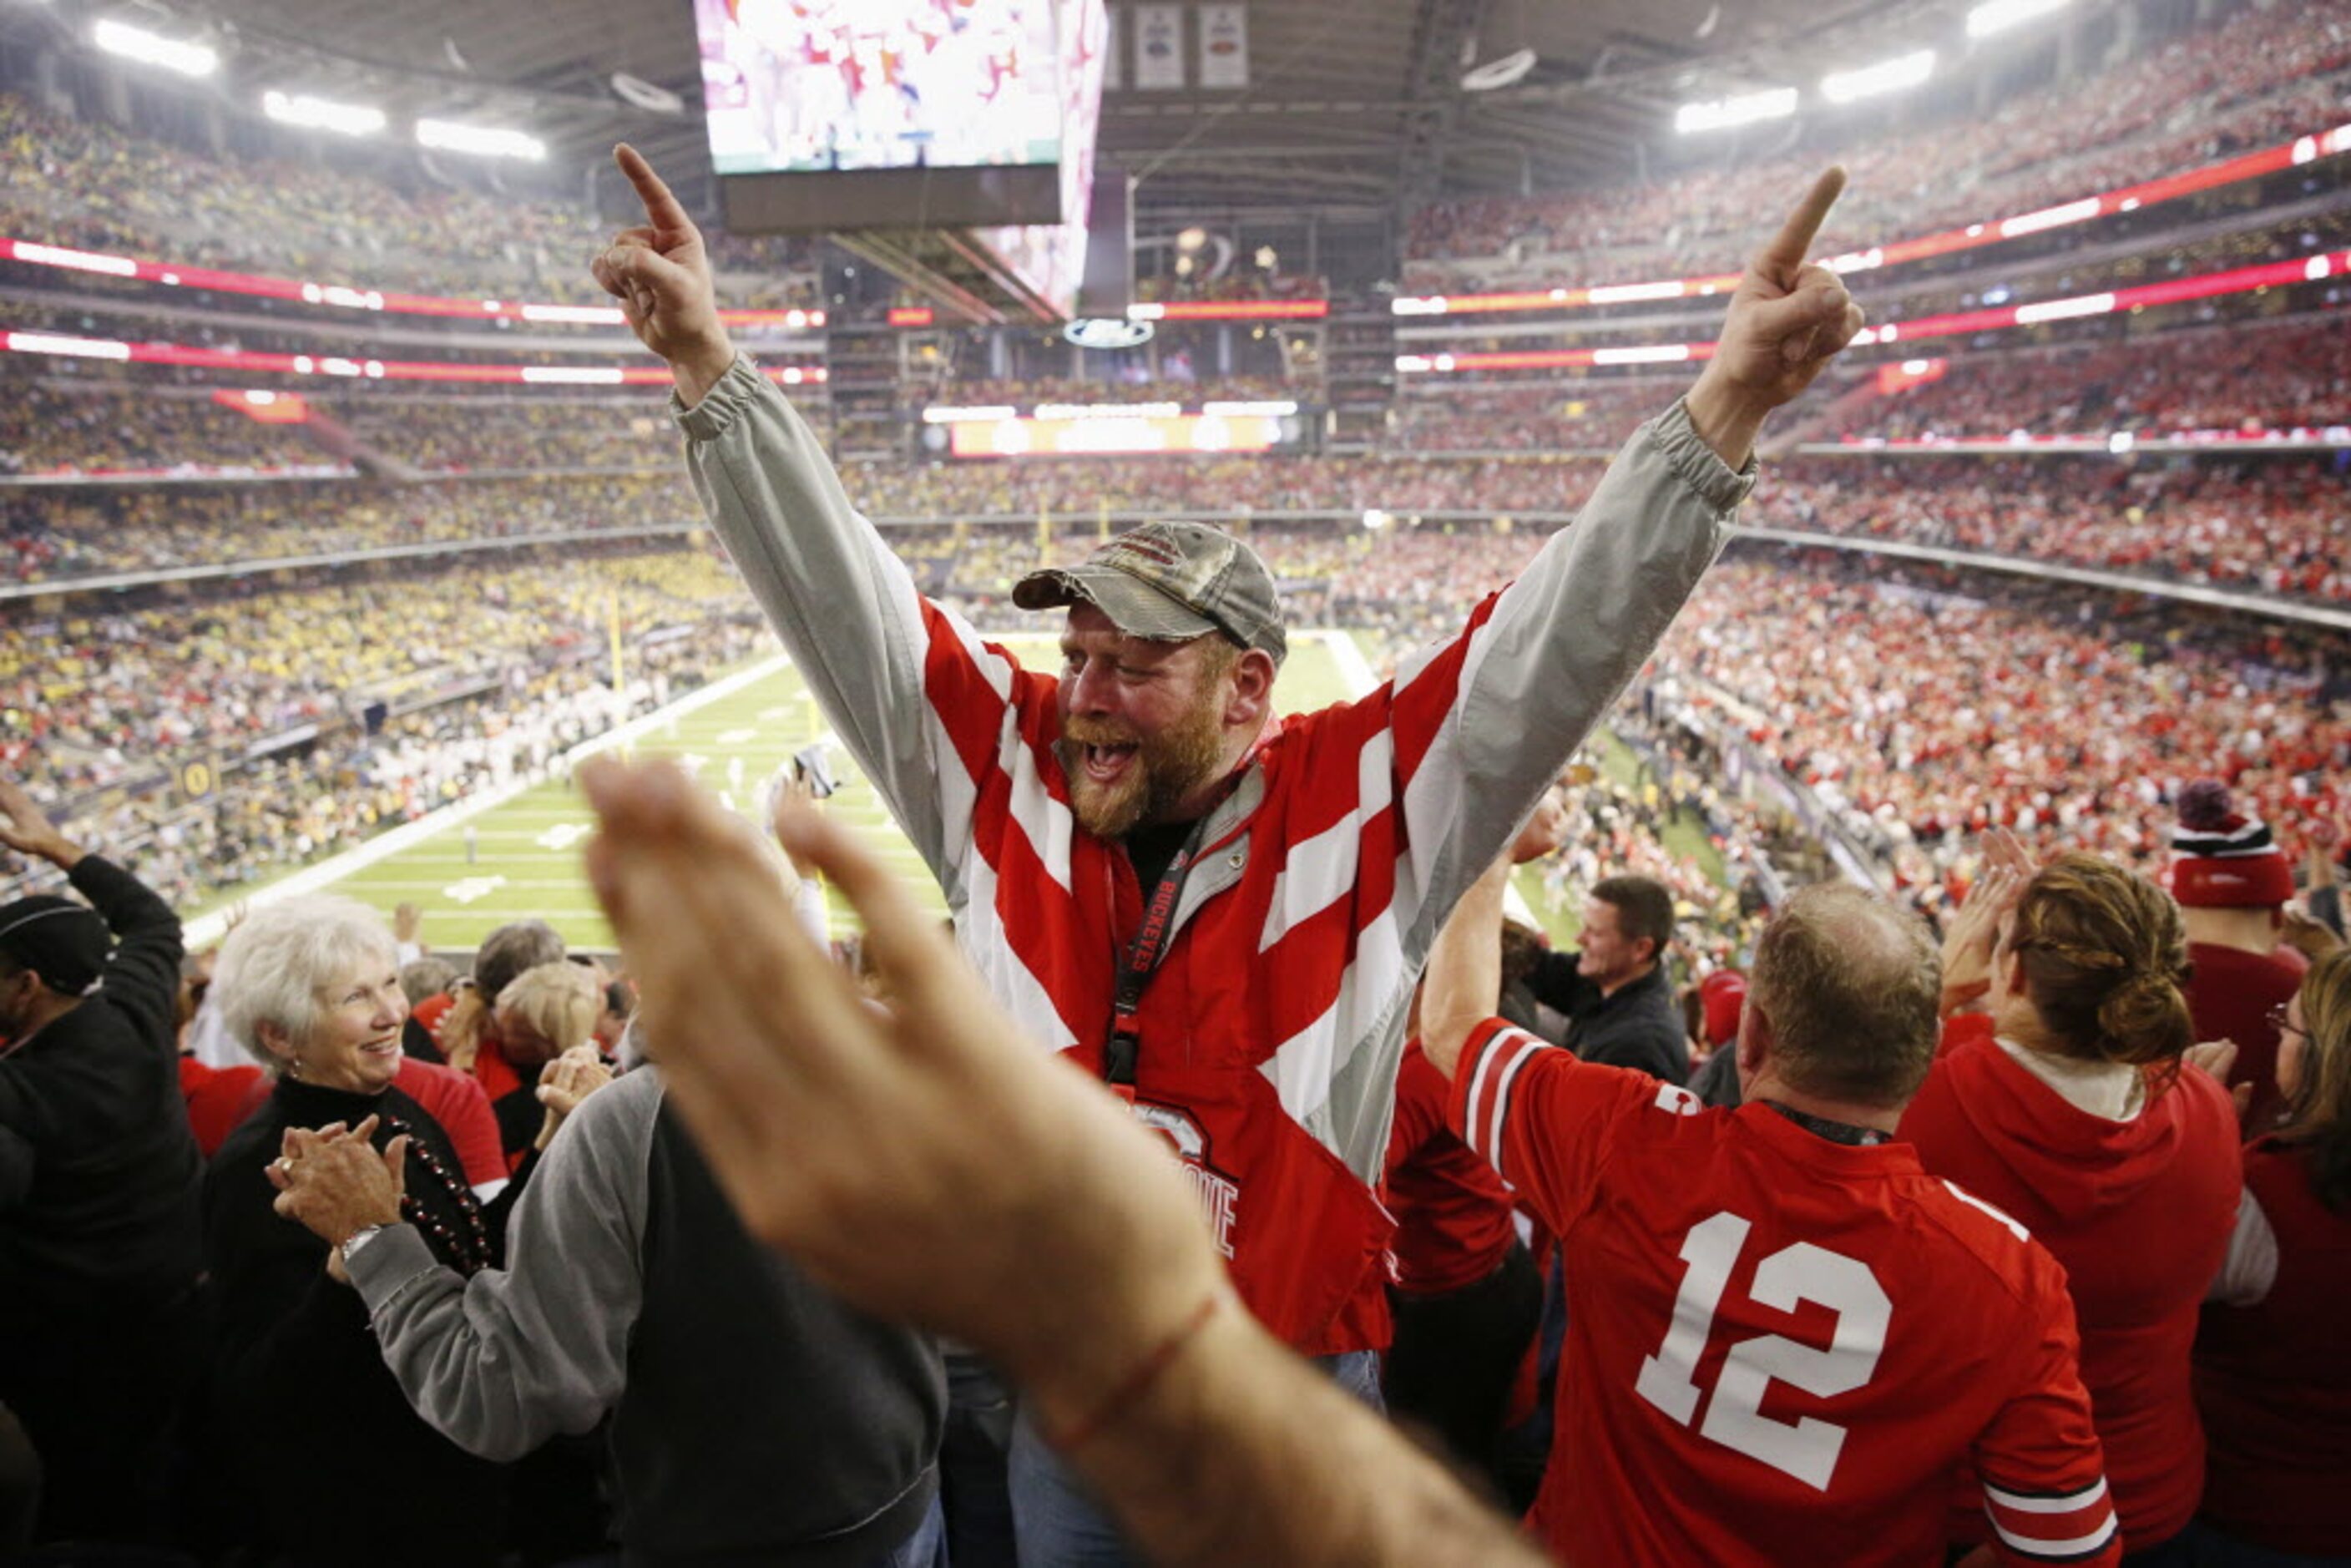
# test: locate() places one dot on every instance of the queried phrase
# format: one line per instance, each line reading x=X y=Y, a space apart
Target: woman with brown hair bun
x=2064 y=1105
x=2270 y=1375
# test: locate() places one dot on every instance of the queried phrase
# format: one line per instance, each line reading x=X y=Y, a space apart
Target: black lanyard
x=1137 y=965
x=1834 y=1132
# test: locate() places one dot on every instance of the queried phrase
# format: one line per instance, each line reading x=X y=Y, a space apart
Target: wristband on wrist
x=357 y=1239
x=1131 y=1386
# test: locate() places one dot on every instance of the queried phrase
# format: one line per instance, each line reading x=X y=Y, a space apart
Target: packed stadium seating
x=68 y=181
x=489 y=673
x=2265 y=77
x=51 y=536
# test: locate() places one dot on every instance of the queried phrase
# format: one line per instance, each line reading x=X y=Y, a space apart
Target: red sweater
x=457 y=1103
x=218 y=1099
x=1452 y=1212
x=2139 y=1213
x=2273 y=1381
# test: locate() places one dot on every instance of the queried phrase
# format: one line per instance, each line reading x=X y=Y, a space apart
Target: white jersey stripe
x=1524 y=1052
x=2016 y=1227
x=2079 y=1545
x=1044 y=821
x=1303 y=1068
x=979 y=932
x=1477 y=1089
x=2070 y=1503
x=1322 y=870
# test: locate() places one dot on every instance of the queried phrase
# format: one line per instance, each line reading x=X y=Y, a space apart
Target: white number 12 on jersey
x=1808 y=1449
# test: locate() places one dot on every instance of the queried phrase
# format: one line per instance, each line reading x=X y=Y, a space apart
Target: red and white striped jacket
x=1272 y=1031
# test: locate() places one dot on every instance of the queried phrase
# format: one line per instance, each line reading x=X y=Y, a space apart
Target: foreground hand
x=25 y=828
x=1974 y=932
x=1544 y=832
x=335 y=1184
x=661 y=275
x=1787 y=318
x=569 y=1079
x=2312 y=938
x=2218 y=1058
x=927 y=1163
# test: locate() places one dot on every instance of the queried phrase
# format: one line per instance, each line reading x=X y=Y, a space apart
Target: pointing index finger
x=662 y=207
x=1794 y=242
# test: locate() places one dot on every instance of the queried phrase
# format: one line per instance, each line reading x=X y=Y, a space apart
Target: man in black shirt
x=99 y=1174
x=1614 y=991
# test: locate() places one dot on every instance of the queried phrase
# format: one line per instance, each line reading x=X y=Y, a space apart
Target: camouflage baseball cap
x=1170 y=583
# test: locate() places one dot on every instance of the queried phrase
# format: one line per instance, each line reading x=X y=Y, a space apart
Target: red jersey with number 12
x=1781 y=1348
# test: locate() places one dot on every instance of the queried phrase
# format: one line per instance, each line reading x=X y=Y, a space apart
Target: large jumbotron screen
x=888 y=113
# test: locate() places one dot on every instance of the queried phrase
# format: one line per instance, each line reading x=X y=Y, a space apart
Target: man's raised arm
x=1490 y=717
x=845 y=607
x=1462 y=985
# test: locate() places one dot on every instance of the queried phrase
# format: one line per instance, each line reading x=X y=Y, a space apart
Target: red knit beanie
x=2222 y=859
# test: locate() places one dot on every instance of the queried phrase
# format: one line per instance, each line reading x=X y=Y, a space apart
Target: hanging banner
x=1158 y=47
x=1114 y=42
x=1224 y=45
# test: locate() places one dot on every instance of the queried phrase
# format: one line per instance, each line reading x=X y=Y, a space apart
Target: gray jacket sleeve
x=1562 y=643
x=845 y=607
x=500 y=1363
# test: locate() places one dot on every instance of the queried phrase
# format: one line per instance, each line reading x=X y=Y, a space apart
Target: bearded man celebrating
x=1220 y=915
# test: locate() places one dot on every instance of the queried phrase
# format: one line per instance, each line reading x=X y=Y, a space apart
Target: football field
x=521 y=857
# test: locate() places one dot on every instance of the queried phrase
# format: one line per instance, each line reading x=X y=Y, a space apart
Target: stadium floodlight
x=1746 y=108
x=2000 y=15
x=321 y=114
x=1885 y=76
x=481 y=140
x=155 y=50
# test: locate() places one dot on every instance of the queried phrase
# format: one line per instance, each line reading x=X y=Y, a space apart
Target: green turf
x=526 y=858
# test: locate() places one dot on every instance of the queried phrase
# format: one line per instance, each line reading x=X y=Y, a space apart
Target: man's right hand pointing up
x=660 y=274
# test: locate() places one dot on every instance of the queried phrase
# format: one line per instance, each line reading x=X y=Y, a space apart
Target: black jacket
x=99 y=1170
x=336 y=1468
x=1638 y=1027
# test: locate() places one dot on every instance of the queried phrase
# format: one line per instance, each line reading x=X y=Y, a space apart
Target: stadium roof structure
x=1350 y=103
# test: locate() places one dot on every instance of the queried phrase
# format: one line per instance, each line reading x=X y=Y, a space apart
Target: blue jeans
x=926 y=1548
x=1058 y=1523
x=973 y=1455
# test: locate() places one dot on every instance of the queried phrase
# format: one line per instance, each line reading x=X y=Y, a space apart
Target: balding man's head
x=1850 y=990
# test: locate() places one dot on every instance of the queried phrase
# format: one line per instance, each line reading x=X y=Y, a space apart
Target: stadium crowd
x=50 y=536
x=1936 y=1146
x=2271 y=526
x=65 y=180
x=1928 y=715
x=2292 y=375
x=2251 y=78
x=313 y=741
